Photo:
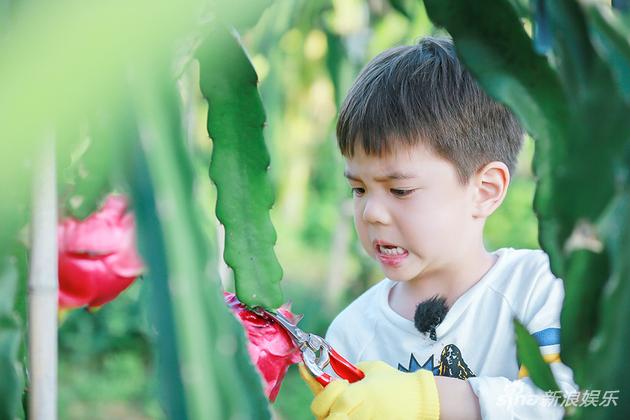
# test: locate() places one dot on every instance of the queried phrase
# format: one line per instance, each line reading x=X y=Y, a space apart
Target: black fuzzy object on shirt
x=429 y=314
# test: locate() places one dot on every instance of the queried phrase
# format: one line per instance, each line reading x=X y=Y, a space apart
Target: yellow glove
x=384 y=393
x=310 y=380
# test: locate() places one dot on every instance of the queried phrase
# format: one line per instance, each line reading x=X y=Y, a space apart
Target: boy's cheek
x=364 y=239
x=367 y=246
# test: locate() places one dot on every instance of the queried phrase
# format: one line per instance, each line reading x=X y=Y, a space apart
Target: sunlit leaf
x=239 y=168
x=529 y=355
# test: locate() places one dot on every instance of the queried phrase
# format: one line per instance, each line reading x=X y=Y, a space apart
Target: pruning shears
x=316 y=352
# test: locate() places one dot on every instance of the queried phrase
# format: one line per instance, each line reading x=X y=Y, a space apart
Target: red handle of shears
x=343 y=368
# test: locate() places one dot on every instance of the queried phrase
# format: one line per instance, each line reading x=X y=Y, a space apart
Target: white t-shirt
x=476 y=339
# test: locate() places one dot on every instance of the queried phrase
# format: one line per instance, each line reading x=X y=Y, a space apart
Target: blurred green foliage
x=106 y=360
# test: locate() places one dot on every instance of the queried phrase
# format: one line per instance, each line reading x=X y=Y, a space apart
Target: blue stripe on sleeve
x=547 y=337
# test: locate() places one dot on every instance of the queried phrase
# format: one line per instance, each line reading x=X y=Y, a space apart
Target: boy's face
x=411 y=212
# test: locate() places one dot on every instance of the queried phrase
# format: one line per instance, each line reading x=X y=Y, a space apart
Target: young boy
x=429 y=157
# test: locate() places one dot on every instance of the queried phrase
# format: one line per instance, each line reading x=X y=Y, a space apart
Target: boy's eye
x=357 y=192
x=401 y=193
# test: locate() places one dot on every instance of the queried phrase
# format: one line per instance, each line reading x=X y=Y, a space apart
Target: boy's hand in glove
x=384 y=393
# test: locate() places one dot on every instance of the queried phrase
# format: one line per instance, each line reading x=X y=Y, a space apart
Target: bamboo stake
x=42 y=288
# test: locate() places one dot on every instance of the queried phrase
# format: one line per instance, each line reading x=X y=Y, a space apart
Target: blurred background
x=306 y=54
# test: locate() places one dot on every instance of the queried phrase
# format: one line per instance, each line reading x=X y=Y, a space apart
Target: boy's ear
x=491 y=184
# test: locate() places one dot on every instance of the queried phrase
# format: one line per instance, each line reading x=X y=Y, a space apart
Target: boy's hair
x=422 y=94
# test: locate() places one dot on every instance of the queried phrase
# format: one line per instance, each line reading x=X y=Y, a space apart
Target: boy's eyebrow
x=391 y=176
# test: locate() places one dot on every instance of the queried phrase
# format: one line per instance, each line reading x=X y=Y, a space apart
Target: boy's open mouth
x=389 y=251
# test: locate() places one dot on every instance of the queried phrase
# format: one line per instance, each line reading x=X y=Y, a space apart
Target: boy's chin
x=399 y=278
x=403 y=274
x=397 y=274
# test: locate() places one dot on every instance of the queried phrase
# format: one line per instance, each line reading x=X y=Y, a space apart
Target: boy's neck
x=450 y=283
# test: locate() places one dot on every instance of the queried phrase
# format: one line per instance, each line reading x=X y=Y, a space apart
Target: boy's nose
x=375 y=212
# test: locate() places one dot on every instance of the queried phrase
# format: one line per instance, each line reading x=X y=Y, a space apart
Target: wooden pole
x=42 y=288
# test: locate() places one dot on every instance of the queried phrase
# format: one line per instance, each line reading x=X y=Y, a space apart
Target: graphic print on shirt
x=451 y=364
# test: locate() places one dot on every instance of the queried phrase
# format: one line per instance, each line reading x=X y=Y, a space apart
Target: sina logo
x=414 y=365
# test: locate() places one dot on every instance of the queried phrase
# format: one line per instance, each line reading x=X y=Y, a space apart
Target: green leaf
x=542 y=32
x=218 y=378
x=239 y=168
x=610 y=35
x=334 y=62
x=593 y=168
x=160 y=304
x=340 y=68
x=530 y=356
x=608 y=350
x=585 y=177
x=586 y=277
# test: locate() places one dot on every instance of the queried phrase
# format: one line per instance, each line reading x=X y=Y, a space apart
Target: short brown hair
x=421 y=93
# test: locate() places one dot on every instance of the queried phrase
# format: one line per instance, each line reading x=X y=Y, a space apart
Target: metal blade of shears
x=316 y=352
